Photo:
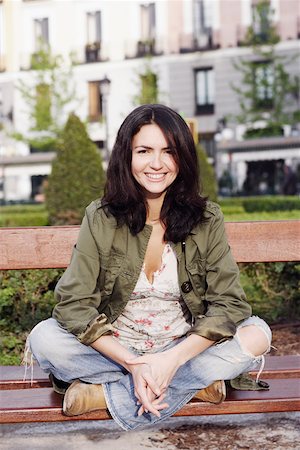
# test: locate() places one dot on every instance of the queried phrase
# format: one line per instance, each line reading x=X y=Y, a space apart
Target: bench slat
x=40 y=405
x=51 y=247
x=11 y=377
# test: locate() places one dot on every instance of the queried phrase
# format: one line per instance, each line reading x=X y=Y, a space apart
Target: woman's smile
x=155 y=176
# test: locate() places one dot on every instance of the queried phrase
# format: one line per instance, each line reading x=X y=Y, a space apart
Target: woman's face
x=153 y=165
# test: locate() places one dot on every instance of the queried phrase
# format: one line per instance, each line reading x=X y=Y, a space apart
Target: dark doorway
x=264 y=177
x=37 y=185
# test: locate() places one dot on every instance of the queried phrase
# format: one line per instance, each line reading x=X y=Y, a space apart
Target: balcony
x=93 y=52
x=143 y=48
x=204 y=41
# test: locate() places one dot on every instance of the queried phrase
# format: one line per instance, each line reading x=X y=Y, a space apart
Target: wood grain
x=51 y=247
x=11 y=377
x=44 y=405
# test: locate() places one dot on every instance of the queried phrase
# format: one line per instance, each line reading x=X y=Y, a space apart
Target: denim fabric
x=60 y=353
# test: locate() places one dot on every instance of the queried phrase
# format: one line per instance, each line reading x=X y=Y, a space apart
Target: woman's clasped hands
x=152 y=374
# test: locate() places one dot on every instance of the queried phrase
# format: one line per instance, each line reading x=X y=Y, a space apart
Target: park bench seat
x=50 y=247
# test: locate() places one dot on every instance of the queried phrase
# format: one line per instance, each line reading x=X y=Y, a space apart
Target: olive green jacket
x=106 y=264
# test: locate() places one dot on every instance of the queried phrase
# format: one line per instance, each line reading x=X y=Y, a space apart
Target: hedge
x=28 y=219
x=271 y=204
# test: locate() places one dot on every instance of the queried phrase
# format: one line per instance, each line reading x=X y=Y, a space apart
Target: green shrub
x=26 y=298
x=273 y=289
x=207 y=175
x=269 y=131
x=23 y=208
x=27 y=219
x=271 y=204
x=77 y=175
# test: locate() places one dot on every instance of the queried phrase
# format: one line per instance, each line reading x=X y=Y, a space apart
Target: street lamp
x=104 y=92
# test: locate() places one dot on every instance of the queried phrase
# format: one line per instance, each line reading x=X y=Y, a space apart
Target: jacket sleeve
x=226 y=301
x=77 y=291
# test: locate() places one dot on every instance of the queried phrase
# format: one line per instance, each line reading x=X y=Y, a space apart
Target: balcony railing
x=93 y=52
x=142 y=48
x=207 y=40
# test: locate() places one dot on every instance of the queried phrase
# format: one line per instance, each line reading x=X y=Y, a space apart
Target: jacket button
x=186 y=287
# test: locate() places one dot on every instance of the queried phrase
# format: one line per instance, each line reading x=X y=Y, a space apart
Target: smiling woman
x=150 y=310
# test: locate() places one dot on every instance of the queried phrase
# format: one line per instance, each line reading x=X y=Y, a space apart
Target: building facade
x=193 y=46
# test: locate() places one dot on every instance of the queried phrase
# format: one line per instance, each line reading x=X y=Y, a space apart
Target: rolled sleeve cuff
x=214 y=328
x=95 y=329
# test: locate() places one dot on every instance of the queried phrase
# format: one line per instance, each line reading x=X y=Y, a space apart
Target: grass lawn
x=263 y=215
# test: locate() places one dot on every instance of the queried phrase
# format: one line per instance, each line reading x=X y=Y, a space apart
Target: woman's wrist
x=110 y=347
x=187 y=349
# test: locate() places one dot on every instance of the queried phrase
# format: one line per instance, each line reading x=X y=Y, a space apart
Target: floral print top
x=155 y=314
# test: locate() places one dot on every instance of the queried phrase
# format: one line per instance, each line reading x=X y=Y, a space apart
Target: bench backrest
x=50 y=247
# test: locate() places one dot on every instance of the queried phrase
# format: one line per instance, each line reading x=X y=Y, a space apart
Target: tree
x=268 y=92
x=207 y=175
x=77 y=175
x=49 y=96
x=148 y=86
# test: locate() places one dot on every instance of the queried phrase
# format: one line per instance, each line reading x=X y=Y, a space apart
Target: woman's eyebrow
x=150 y=148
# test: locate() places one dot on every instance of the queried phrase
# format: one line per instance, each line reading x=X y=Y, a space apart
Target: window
x=41 y=32
x=261 y=21
x=203 y=19
x=92 y=48
x=263 y=85
x=95 y=101
x=93 y=27
x=146 y=44
x=147 y=21
x=205 y=90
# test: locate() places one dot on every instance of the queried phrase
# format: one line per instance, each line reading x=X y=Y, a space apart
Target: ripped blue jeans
x=60 y=353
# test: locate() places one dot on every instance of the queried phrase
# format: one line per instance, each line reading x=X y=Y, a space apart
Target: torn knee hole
x=254 y=340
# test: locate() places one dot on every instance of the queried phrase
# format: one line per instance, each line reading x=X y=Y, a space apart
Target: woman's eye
x=142 y=151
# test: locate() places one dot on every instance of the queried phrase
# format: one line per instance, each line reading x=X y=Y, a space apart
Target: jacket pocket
x=197 y=272
x=111 y=272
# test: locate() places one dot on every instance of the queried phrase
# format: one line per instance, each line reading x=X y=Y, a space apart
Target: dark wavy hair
x=183 y=206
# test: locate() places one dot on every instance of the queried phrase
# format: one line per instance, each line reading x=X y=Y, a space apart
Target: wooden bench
x=50 y=247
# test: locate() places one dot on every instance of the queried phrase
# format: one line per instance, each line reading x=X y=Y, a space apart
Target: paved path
x=275 y=431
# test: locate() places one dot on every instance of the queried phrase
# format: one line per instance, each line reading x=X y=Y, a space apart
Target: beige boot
x=81 y=398
x=214 y=393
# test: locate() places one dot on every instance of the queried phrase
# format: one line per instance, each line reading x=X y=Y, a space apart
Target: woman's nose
x=156 y=161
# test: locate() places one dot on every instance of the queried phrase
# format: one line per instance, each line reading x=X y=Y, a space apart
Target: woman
x=150 y=310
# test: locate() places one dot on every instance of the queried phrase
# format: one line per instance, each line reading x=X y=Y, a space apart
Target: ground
x=272 y=431
x=286 y=339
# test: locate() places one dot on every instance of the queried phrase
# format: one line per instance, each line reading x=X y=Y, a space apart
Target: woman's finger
x=152 y=384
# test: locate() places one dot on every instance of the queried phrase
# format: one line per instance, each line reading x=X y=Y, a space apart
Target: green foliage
x=264 y=31
x=273 y=289
x=268 y=131
x=26 y=298
x=271 y=204
x=268 y=92
x=23 y=216
x=48 y=95
x=38 y=219
x=207 y=175
x=148 y=86
x=77 y=175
